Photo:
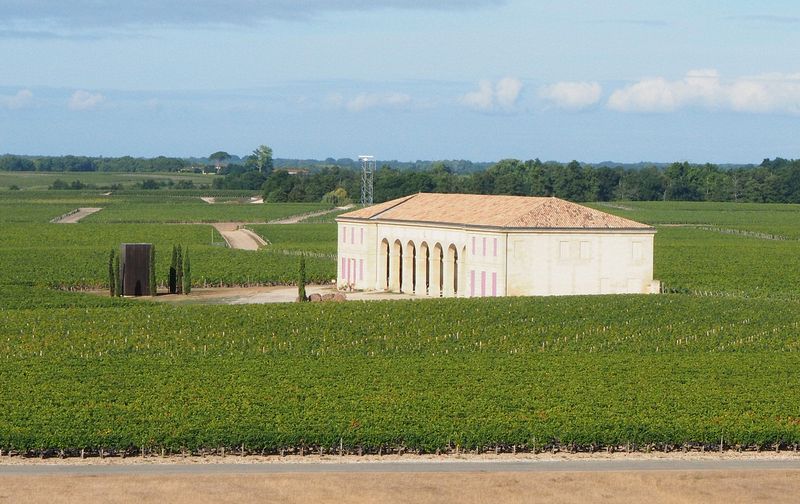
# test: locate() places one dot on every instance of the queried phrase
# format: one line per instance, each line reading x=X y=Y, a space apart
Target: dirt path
x=265 y=295
x=209 y=199
x=295 y=219
x=239 y=238
x=75 y=216
x=247 y=484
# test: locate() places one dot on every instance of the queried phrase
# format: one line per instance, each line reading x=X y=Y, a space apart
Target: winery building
x=466 y=245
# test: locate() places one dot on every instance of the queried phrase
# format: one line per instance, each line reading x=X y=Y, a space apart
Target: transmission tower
x=367 y=171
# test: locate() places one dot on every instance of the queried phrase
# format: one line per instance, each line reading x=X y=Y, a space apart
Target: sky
x=483 y=80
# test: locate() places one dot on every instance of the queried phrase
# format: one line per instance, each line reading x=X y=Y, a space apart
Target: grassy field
x=714 y=363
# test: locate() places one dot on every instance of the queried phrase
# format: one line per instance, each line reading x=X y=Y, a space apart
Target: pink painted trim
x=344 y=234
x=344 y=269
x=361 y=268
x=353 y=236
x=484 y=246
x=483 y=283
x=495 y=247
x=473 y=245
x=494 y=284
x=362 y=236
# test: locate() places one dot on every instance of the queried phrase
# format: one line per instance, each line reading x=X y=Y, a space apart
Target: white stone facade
x=458 y=260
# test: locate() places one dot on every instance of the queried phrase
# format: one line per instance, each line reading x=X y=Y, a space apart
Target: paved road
x=152 y=468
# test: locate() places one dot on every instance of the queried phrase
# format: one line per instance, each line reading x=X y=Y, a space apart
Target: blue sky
x=403 y=79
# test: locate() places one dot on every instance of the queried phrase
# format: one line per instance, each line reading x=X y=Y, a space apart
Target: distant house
x=465 y=245
x=297 y=171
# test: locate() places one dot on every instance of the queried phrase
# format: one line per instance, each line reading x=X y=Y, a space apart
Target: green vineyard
x=711 y=365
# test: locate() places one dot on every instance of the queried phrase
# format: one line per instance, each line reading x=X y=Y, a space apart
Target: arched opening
x=384 y=266
x=450 y=274
x=423 y=274
x=396 y=267
x=436 y=281
x=409 y=268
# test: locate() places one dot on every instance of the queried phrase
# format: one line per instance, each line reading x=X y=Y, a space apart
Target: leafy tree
x=263 y=159
x=220 y=158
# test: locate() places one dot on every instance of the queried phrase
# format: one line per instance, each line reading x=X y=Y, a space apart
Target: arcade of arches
x=420 y=268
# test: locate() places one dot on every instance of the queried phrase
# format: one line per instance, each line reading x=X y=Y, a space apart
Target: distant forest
x=336 y=180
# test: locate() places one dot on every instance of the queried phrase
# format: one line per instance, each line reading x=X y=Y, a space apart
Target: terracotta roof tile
x=493 y=211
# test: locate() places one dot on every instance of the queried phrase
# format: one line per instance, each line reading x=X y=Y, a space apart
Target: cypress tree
x=117 y=279
x=173 y=271
x=112 y=290
x=179 y=272
x=301 y=279
x=152 y=279
x=187 y=273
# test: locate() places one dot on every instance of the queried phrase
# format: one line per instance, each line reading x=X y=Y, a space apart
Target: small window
x=495 y=247
x=484 y=246
x=344 y=234
x=473 y=245
x=362 y=236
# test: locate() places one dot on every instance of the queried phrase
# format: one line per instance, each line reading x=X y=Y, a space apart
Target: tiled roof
x=493 y=211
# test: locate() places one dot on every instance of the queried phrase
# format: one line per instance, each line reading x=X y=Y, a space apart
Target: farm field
x=709 y=364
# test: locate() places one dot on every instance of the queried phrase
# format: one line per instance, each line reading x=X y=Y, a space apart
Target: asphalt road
x=155 y=468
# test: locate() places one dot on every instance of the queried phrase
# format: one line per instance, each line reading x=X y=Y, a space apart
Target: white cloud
x=22 y=99
x=572 y=95
x=768 y=93
x=84 y=100
x=490 y=97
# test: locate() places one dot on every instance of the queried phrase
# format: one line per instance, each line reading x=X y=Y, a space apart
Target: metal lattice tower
x=367 y=172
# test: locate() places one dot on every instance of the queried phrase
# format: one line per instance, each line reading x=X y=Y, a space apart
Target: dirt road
x=673 y=482
x=239 y=238
x=295 y=219
x=76 y=216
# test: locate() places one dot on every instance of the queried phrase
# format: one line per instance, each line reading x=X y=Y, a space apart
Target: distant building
x=468 y=245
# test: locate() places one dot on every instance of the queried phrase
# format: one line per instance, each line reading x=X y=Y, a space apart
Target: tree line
x=775 y=181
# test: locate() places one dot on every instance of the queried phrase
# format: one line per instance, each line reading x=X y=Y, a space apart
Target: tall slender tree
x=152 y=272
x=187 y=273
x=179 y=271
x=301 y=280
x=112 y=277
x=173 y=271
x=117 y=275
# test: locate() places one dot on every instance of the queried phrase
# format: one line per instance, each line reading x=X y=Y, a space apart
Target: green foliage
x=112 y=276
x=152 y=272
x=601 y=370
x=117 y=277
x=173 y=271
x=179 y=271
x=301 y=279
x=187 y=273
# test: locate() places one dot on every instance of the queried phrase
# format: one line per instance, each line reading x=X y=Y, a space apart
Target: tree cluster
x=772 y=181
x=91 y=164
